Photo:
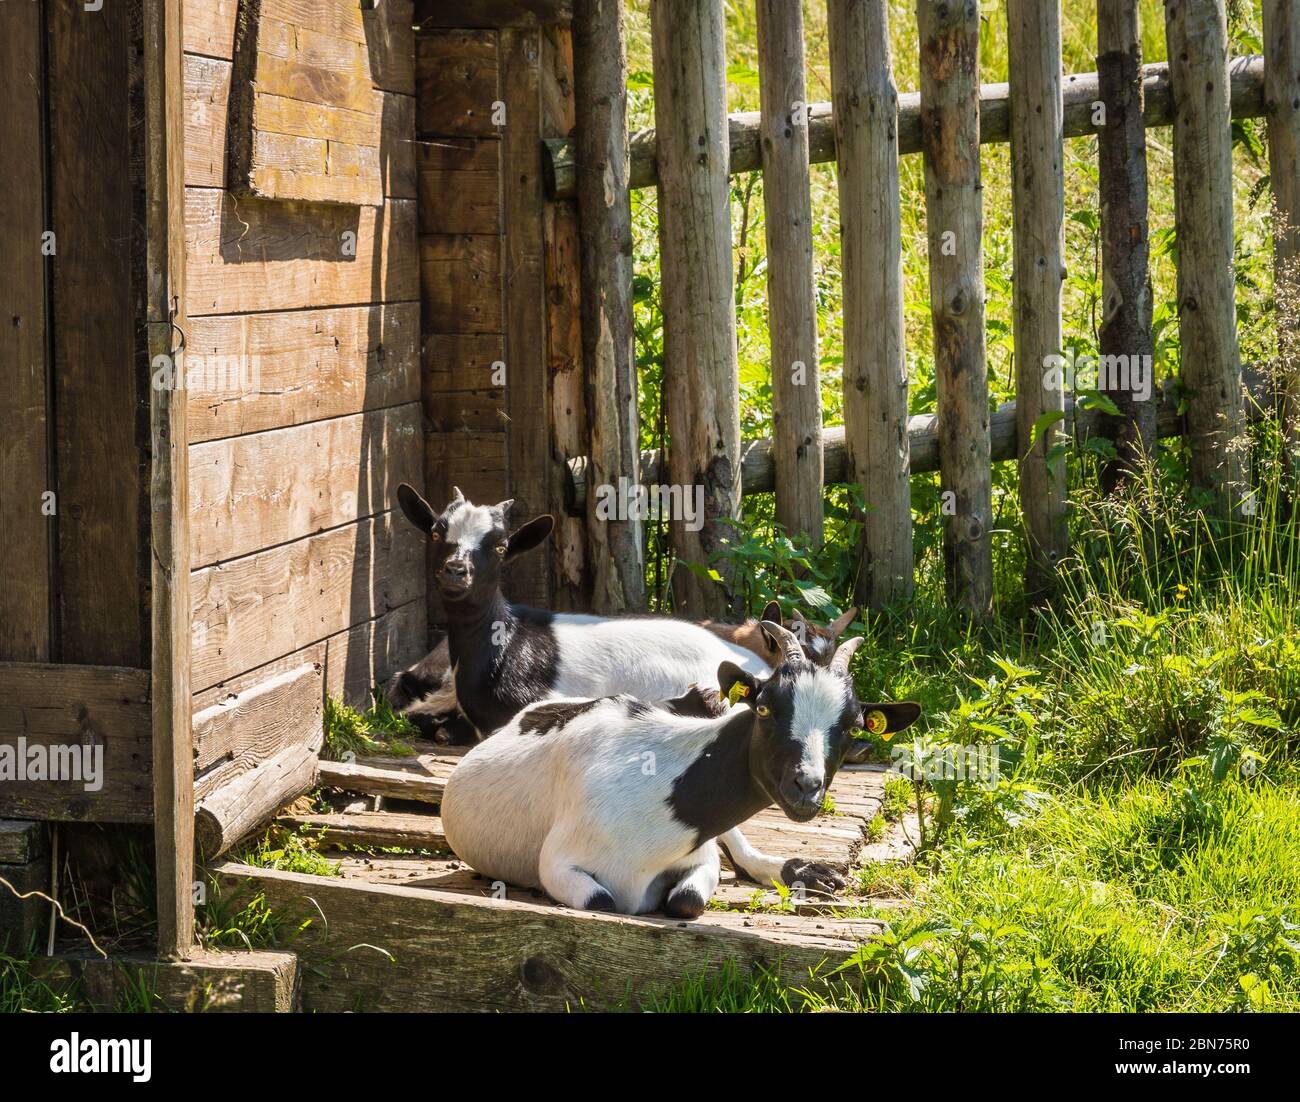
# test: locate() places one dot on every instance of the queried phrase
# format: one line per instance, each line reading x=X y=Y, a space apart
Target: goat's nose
x=807 y=781
x=454 y=568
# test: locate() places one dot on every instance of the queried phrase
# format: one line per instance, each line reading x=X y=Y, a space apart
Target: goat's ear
x=736 y=685
x=528 y=536
x=772 y=612
x=898 y=716
x=418 y=511
x=840 y=626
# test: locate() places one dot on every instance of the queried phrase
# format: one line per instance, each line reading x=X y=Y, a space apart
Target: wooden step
x=398 y=784
x=382 y=829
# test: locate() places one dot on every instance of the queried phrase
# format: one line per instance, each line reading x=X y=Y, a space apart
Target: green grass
x=376 y=730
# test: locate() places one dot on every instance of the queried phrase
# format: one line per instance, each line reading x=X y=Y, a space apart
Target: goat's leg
x=566 y=883
x=764 y=868
x=691 y=894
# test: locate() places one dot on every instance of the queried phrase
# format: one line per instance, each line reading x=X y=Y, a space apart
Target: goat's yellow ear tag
x=876 y=723
x=738 y=690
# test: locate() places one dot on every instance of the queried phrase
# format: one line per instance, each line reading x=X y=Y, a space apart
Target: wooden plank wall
x=304 y=388
x=482 y=275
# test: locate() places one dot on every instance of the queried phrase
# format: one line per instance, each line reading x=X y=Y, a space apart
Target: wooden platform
x=407 y=926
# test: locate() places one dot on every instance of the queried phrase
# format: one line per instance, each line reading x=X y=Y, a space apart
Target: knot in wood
x=539 y=977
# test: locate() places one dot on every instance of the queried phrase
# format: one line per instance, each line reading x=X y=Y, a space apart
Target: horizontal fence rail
x=1080 y=91
x=758 y=470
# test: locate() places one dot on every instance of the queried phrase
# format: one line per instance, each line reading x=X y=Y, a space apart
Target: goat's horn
x=786 y=641
x=845 y=652
x=456 y=495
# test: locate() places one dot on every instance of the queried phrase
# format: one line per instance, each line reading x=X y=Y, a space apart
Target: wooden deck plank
x=370 y=828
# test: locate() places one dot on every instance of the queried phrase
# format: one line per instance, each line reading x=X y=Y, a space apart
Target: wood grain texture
x=21 y=840
x=385 y=31
x=342 y=469
x=249 y=727
x=246 y=255
x=252 y=610
x=240 y=805
x=385 y=132
x=1125 y=328
x=100 y=365
x=954 y=224
x=1038 y=267
x=791 y=296
x=370 y=651
x=24 y=475
x=461 y=283
x=1282 y=99
x=371 y=781
x=875 y=360
x=248 y=373
x=450 y=952
x=77 y=710
x=458 y=83
x=1197 y=33
x=701 y=372
x=459 y=185
x=370 y=828
x=615 y=547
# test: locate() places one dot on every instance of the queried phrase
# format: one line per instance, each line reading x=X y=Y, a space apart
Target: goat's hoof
x=812 y=875
x=685 y=903
x=600 y=900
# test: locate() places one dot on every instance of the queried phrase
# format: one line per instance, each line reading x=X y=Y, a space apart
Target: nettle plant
x=974 y=765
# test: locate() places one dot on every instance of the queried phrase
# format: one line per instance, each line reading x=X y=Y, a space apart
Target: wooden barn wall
x=304 y=401
x=493 y=257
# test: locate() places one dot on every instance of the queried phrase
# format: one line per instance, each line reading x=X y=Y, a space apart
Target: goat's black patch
x=698 y=703
x=599 y=900
x=544 y=718
x=717 y=790
x=685 y=903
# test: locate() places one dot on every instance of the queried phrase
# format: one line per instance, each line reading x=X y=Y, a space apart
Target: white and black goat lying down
x=505 y=656
x=614 y=805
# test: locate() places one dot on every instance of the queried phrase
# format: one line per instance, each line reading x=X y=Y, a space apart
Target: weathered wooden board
x=460 y=283
x=458 y=84
x=25 y=596
x=250 y=727
x=386 y=130
x=252 y=610
x=459 y=182
x=383 y=829
x=311 y=655
x=371 y=651
x=474 y=461
x=21 y=840
x=252 y=372
x=386 y=947
x=242 y=497
x=248 y=799
x=247 y=254
x=95 y=720
x=385 y=31
x=100 y=365
x=207 y=982
x=403 y=784
x=493 y=13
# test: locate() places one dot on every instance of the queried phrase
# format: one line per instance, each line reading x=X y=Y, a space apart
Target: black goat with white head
x=612 y=804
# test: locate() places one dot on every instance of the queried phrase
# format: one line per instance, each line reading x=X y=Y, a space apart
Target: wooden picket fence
x=695 y=148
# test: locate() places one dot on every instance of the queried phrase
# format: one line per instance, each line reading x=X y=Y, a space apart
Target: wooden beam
x=615 y=547
x=791 y=295
x=434 y=14
x=403 y=784
x=701 y=371
x=248 y=727
x=954 y=225
x=395 y=947
x=875 y=357
x=1125 y=233
x=1282 y=99
x=1038 y=221
x=758 y=469
x=25 y=596
x=384 y=829
x=1081 y=91
x=96 y=721
x=1197 y=32
x=237 y=808
x=173 y=756
x=21 y=840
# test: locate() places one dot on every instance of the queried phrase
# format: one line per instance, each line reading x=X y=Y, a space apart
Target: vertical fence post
x=950 y=31
x=1038 y=221
x=701 y=371
x=791 y=298
x=1282 y=101
x=871 y=258
x=615 y=545
x=1197 y=32
x=1125 y=336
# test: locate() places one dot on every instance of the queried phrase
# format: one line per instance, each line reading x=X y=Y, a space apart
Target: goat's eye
x=501 y=548
x=435 y=536
x=764 y=710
